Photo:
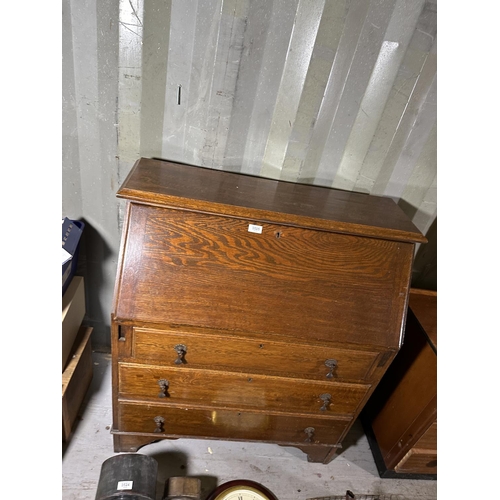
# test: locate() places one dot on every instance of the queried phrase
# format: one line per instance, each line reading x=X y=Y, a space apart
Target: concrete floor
x=284 y=470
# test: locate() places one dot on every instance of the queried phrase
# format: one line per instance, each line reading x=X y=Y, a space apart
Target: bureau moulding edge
x=281 y=218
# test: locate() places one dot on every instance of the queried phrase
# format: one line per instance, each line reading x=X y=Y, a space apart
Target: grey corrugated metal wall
x=338 y=93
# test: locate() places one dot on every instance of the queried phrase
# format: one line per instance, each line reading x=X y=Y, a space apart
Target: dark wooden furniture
x=401 y=417
x=252 y=309
x=76 y=380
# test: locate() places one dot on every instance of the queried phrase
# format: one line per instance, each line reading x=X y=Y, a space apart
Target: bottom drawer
x=172 y=421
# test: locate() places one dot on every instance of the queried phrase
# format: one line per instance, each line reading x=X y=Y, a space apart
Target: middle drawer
x=237 y=390
x=233 y=353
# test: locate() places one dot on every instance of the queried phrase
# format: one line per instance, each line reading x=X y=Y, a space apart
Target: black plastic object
x=129 y=476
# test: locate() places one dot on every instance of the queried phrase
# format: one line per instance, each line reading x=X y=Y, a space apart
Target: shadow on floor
x=101 y=370
x=174 y=464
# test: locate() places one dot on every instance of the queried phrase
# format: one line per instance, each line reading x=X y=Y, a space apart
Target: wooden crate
x=76 y=379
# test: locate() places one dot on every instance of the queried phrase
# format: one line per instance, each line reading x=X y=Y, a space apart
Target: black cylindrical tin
x=129 y=476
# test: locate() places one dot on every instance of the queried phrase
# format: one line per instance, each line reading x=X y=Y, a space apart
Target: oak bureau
x=252 y=309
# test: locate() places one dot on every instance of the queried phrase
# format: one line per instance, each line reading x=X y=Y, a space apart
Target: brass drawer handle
x=164 y=388
x=181 y=350
x=327 y=400
x=159 y=421
x=310 y=434
x=332 y=364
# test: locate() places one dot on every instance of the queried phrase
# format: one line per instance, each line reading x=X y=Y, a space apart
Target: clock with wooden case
x=241 y=489
x=252 y=309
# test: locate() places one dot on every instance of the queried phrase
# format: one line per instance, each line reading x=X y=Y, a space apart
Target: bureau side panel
x=130 y=261
x=188 y=268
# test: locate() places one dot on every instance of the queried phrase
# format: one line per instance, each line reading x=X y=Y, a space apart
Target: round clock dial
x=242 y=489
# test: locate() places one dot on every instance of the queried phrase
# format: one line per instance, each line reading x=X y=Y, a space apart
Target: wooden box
x=400 y=419
x=73 y=312
x=252 y=309
x=76 y=379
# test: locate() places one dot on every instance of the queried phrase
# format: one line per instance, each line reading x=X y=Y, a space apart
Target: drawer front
x=169 y=420
x=189 y=268
x=231 y=353
x=237 y=390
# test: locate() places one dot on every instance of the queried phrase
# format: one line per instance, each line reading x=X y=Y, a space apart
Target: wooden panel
x=193 y=269
x=428 y=441
x=232 y=353
x=262 y=281
x=423 y=304
x=406 y=399
x=401 y=414
x=237 y=390
x=219 y=423
x=76 y=379
x=73 y=312
x=418 y=461
x=190 y=187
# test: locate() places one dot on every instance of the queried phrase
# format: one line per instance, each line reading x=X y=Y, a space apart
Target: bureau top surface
x=177 y=185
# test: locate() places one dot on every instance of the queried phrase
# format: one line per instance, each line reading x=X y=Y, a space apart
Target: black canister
x=129 y=476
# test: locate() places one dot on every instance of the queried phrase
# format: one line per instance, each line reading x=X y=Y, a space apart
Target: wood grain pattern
x=258 y=355
x=262 y=281
x=428 y=440
x=414 y=372
x=402 y=413
x=189 y=269
x=182 y=421
x=178 y=185
x=423 y=303
x=418 y=461
x=76 y=379
x=237 y=390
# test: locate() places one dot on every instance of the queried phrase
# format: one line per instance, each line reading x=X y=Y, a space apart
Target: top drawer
x=189 y=268
x=257 y=355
